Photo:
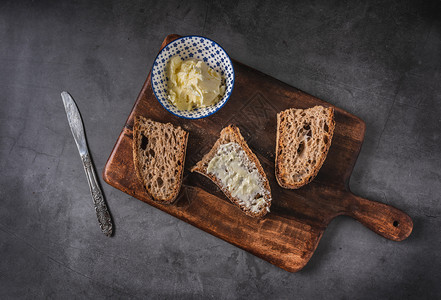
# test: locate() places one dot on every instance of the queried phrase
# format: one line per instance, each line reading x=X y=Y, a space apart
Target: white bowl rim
x=232 y=85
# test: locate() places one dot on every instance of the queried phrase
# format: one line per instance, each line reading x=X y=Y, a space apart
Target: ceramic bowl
x=200 y=48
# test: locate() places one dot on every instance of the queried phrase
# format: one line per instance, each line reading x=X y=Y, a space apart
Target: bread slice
x=303 y=140
x=235 y=169
x=159 y=156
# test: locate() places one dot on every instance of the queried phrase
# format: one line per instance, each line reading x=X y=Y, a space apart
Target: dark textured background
x=380 y=61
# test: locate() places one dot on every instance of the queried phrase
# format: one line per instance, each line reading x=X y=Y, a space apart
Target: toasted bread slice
x=159 y=156
x=303 y=140
x=235 y=169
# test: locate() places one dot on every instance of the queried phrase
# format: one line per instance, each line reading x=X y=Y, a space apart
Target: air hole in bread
x=152 y=153
x=325 y=139
x=144 y=142
x=326 y=127
x=179 y=162
x=160 y=181
x=300 y=148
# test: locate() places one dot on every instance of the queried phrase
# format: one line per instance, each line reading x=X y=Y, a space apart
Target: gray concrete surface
x=378 y=60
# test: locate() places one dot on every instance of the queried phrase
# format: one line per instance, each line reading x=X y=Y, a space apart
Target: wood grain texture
x=289 y=235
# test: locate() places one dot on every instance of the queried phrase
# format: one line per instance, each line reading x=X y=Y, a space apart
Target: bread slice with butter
x=303 y=140
x=235 y=169
x=159 y=156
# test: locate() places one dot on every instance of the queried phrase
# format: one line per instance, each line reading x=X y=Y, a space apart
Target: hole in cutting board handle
x=396 y=223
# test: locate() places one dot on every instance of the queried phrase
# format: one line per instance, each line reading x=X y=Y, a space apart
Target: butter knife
x=76 y=125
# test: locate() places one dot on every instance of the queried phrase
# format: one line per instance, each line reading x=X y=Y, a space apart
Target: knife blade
x=76 y=126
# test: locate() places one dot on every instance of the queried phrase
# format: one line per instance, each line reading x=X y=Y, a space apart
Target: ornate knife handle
x=101 y=210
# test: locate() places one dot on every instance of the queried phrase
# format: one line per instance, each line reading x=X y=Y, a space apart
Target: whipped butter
x=240 y=176
x=193 y=84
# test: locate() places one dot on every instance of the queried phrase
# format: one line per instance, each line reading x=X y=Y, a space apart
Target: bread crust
x=280 y=169
x=232 y=134
x=137 y=140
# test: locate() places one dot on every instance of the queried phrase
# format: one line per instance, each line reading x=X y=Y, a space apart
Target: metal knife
x=76 y=125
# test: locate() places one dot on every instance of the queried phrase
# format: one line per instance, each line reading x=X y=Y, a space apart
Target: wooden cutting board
x=288 y=236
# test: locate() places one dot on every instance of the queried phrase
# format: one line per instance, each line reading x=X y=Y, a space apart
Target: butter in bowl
x=192 y=77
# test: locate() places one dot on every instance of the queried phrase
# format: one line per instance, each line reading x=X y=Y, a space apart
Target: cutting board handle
x=383 y=219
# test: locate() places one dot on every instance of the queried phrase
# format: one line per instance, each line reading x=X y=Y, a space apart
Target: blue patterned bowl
x=200 y=48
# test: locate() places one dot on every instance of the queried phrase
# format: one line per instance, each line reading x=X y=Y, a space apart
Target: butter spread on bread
x=235 y=169
x=239 y=175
